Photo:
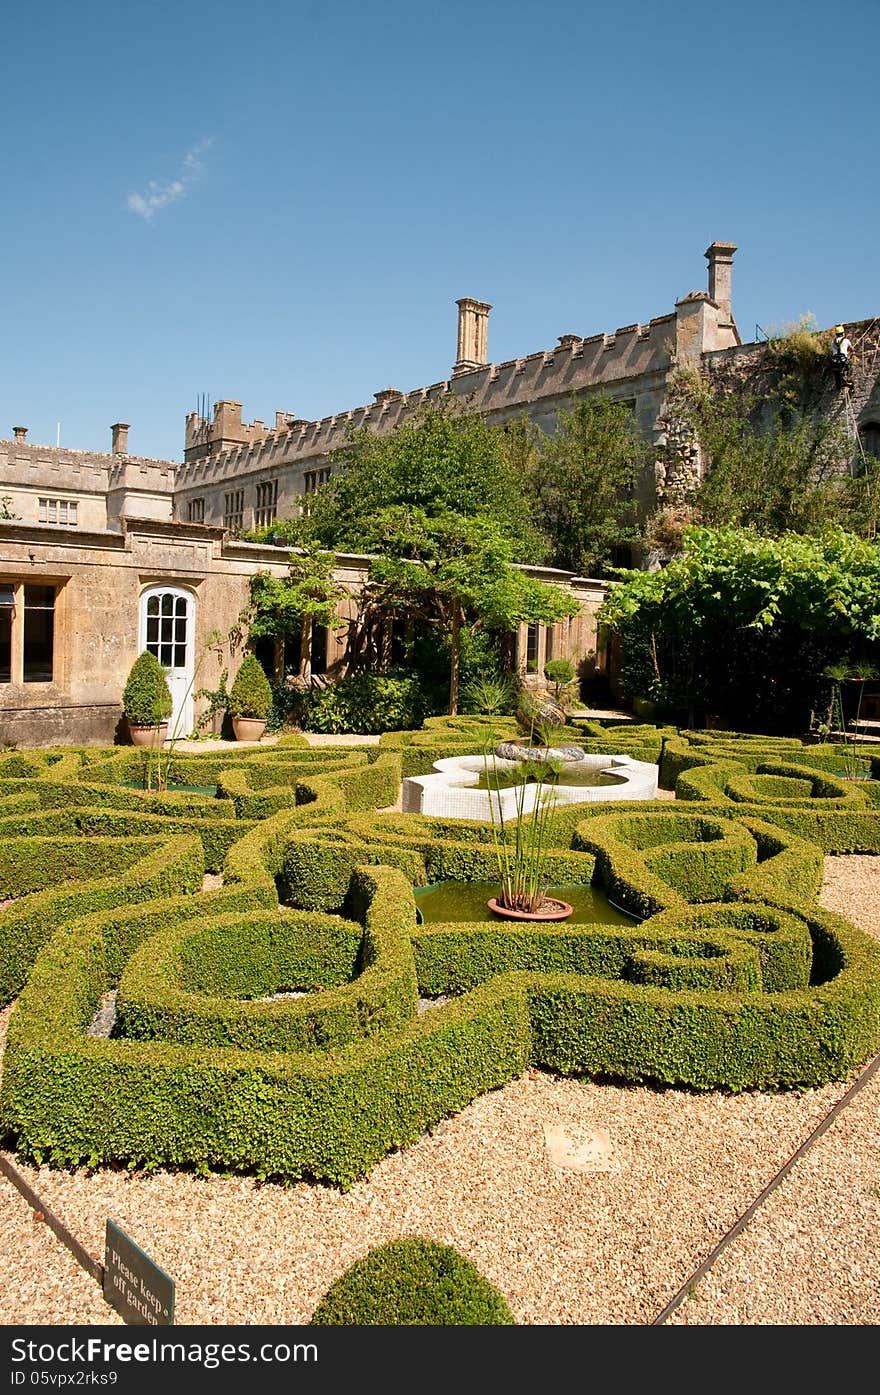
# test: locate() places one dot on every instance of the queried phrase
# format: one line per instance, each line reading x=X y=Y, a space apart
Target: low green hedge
x=73 y=1098
x=318 y=861
x=447 y=736
x=412 y=1282
x=175 y=865
x=33 y=863
x=639 y=741
x=769 y=1040
x=648 y=863
x=70 y=821
x=187 y=984
x=734 y=978
x=55 y=794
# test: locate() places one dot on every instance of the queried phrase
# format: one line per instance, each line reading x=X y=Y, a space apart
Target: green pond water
x=466 y=901
x=571 y=775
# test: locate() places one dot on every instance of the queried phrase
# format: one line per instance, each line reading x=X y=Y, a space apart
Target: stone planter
x=248 y=728
x=148 y=736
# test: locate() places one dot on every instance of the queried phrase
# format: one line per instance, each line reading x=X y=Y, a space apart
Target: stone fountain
x=452 y=790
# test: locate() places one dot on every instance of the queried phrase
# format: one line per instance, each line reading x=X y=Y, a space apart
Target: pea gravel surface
x=584 y=1203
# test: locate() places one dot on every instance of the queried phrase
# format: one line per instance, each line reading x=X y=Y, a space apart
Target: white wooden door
x=167 y=628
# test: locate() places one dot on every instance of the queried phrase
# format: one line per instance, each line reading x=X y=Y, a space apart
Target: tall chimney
x=473 y=333
x=19 y=432
x=120 y=437
x=720 y=259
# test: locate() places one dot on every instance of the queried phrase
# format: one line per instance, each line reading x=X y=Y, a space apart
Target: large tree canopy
x=437 y=462
x=451 y=571
x=287 y=606
x=744 y=625
x=584 y=478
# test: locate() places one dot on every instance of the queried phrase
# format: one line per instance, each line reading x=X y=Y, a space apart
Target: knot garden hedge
x=296 y=1021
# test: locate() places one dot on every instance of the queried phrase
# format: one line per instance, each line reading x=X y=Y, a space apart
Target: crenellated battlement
x=226 y=459
x=495 y=390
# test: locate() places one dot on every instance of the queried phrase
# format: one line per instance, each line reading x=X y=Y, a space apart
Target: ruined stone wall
x=771 y=379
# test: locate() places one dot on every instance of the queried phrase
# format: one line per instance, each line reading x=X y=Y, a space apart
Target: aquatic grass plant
x=519 y=839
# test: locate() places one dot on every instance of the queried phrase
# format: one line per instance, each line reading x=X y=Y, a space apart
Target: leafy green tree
x=584 y=480
x=438 y=461
x=292 y=532
x=786 y=477
x=453 y=572
x=284 y=607
x=744 y=625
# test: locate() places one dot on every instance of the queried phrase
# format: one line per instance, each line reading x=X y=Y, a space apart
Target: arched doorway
x=167 y=630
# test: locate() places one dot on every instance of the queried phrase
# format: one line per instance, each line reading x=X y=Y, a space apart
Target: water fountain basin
x=452 y=790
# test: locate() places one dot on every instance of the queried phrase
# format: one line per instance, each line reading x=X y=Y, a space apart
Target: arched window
x=869 y=435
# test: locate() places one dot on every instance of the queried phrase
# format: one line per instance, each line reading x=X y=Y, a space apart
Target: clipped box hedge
x=733 y=977
x=197 y=984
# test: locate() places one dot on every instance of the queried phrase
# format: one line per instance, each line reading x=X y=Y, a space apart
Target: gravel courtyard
x=583 y=1203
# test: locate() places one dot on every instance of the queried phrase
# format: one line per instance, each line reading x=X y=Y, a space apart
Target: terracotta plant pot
x=248 y=728
x=148 y=736
x=549 y=909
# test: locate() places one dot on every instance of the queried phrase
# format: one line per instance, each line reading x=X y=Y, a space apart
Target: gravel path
x=583 y=1203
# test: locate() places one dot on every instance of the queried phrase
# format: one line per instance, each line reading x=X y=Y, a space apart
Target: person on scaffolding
x=841 y=357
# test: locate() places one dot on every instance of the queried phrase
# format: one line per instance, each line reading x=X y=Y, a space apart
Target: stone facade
x=74 y=613
x=230 y=468
x=103 y=489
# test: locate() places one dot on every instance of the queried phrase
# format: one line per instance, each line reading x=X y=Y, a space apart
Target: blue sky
x=280 y=203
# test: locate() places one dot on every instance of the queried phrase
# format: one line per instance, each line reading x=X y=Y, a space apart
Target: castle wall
x=104 y=488
x=31 y=472
x=630 y=364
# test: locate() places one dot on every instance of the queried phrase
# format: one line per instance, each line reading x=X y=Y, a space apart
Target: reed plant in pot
x=519 y=836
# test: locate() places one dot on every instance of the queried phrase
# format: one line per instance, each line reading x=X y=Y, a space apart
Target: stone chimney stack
x=387 y=396
x=473 y=334
x=120 y=437
x=720 y=259
x=20 y=433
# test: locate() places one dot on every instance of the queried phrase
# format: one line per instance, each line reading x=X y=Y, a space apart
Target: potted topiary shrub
x=250 y=700
x=561 y=673
x=147 y=701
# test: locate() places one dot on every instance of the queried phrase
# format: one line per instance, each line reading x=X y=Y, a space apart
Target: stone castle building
x=103 y=555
